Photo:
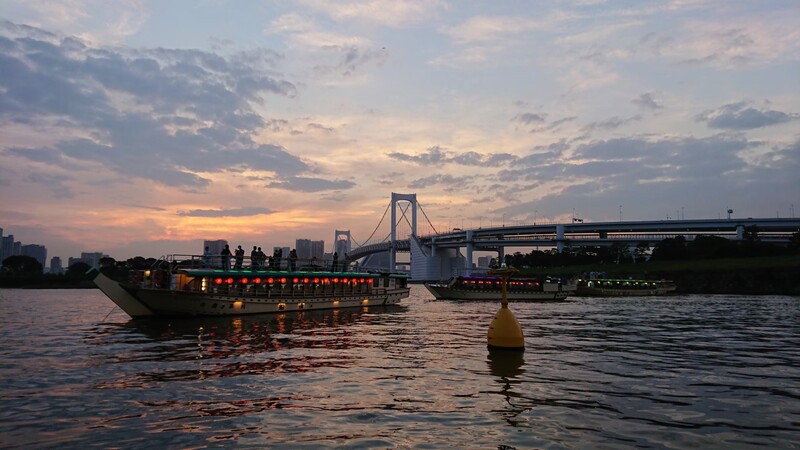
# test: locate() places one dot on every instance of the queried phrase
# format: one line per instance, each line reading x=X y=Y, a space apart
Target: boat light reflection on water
x=230 y=343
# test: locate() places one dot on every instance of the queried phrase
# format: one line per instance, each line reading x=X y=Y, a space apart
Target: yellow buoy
x=504 y=331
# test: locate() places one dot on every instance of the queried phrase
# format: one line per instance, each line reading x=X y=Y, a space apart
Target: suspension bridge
x=438 y=255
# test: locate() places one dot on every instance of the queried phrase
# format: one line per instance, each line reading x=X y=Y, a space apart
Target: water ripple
x=674 y=372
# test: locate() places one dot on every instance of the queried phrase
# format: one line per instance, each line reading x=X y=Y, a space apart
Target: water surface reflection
x=678 y=372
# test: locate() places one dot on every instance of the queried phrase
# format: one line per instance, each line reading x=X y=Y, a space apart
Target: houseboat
x=185 y=286
x=489 y=287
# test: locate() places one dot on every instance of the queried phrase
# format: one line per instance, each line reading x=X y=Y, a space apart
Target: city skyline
x=316 y=249
x=143 y=128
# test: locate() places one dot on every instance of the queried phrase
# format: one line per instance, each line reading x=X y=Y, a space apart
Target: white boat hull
x=623 y=288
x=443 y=292
x=138 y=301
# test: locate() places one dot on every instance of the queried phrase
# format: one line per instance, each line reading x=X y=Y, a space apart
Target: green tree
x=19 y=265
x=670 y=249
x=642 y=249
x=77 y=271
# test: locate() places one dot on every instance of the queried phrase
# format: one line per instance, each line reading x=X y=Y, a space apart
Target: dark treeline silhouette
x=670 y=249
x=24 y=271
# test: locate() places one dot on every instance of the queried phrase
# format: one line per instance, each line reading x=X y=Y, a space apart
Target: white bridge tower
x=412 y=199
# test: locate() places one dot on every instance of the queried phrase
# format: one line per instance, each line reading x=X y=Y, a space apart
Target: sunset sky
x=143 y=127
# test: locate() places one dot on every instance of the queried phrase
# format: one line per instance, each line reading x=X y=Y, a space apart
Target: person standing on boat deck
x=261 y=258
x=335 y=261
x=226 y=257
x=239 y=257
x=293 y=260
x=254 y=259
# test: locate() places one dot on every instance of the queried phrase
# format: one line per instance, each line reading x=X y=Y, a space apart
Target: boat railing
x=294 y=287
x=268 y=263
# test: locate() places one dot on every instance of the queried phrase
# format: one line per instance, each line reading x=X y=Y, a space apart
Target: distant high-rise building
x=318 y=249
x=16 y=249
x=215 y=247
x=92 y=258
x=303 y=247
x=37 y=252
x=72 y=261
x=6 y=246
x=55 y=265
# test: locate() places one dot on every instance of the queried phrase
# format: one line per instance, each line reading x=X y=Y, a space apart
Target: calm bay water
x=674 y=372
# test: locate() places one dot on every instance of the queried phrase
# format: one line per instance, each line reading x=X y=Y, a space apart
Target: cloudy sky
x=142 y=127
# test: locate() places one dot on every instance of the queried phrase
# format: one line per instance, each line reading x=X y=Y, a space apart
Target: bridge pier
x=470 y=247
x=560 y=237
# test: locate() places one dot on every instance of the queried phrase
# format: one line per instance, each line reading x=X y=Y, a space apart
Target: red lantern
x=217 y=280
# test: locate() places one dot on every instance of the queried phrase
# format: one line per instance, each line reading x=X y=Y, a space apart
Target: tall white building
x=92 y=258
x=303 y=247
x=37 y=252
x=318 y=249
x=215 y=247
x=55 y=265
x=6 y=247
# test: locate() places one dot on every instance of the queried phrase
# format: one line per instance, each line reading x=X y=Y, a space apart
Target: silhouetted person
x=254 y=259
x=335 y=264
x=292 y=260
x=226 y=257
x=261 y=257
x=239 y=257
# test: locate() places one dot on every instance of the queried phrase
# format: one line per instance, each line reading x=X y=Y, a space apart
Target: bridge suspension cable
x=426 y=218
x=376 y=228
x=403 y=216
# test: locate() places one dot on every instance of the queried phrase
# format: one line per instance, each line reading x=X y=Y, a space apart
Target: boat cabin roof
x=206 y=272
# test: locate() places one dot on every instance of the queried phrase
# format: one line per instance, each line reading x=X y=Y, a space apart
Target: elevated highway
x=579 y=234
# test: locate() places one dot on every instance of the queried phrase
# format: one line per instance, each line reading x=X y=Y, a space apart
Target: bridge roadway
x=593 y=234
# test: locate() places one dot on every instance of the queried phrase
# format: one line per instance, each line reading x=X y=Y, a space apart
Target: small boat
x=488 y=287
x=181 y=286
x=605 y=287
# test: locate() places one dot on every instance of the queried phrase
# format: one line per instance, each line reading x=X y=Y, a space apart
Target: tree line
x=20 y=271
x=670 y=249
